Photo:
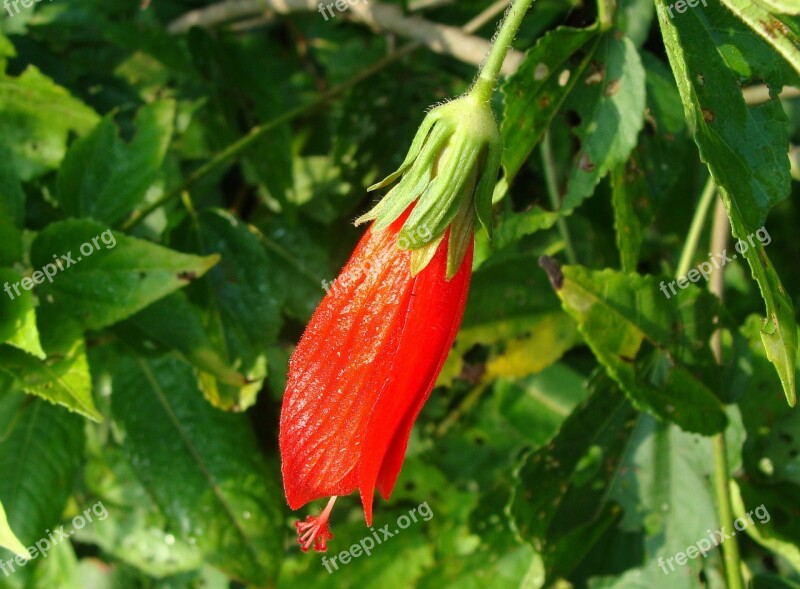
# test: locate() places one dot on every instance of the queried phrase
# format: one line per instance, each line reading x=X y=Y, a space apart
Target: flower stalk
x=485 y=83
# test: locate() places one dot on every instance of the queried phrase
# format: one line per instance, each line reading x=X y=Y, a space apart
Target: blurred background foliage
x=569 y=441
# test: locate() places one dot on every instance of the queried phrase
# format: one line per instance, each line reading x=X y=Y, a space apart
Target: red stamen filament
x=315 y=530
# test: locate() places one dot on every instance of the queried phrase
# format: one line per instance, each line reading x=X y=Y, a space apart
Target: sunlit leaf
x=202 y=467
x=101 y=276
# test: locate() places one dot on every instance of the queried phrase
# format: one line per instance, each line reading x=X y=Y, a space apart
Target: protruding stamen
x=315 y=530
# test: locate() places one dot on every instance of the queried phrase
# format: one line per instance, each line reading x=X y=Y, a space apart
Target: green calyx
x=450 y=172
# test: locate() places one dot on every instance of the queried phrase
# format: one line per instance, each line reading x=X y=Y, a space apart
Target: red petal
x=364 y=368
x=430 y=327
x=328 y=397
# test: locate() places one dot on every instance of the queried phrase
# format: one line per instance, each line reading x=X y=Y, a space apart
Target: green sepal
x=416 y=145
x=439 y=204
x=486 y=184
x=452 y=163
x=413 y=183
x=462 y=232
x=421 y=257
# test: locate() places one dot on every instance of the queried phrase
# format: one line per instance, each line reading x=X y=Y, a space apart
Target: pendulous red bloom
x=371 y=354
x=364 y=368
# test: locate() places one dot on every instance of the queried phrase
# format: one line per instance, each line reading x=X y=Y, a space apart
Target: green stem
x=549 y=165
x=463 y=408
x=730 y=548
x=487 y=78
x=696 y=228
x=722 y=476
x=605 y=14
x=719 y=238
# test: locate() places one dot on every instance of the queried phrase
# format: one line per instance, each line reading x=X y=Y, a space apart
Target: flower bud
x=449 y=174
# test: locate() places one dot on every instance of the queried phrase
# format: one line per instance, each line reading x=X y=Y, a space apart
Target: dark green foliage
x=569 y=442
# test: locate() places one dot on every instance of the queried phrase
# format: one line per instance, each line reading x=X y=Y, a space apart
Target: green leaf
x=18 y=316
x=36 y=117
x=475 y=546
x=12 y=211
x=300 y=257
x=512 y=310
x=6 y=50
x=244 y=100
x=769 y=539
x=627 y=186
x=202 y=466
x=778 y=333
x=63 y=378
x=745 y=148
x=559 y=502
x=776 y=529
x=771 y=450
x=104 y=178
x=534 y=94
x=661 y=154
x=60 y=569
x=512 y=416
x=773 y=582
x=635 y=18
x=135 y=531
x=242 y=298
x=319 y=190
x=175 y=324
x=605 y=98
x=654 y=347
x=663 y=467
x=782 y=6
x=748 y=55
x=111 y=276
x=486 y=566
x=8 y=539
x=769 y=27
x=40 y=453
x=609 y=100
x=537 y=405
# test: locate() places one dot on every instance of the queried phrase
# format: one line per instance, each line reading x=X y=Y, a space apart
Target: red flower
x=375 y=346
x=364 y=368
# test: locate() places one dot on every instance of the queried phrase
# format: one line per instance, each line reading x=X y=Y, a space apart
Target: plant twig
x=462 y=409
x=696 y=228
x=551 y=181
x=760 y=93
x=730 y=548
x=444 y=39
